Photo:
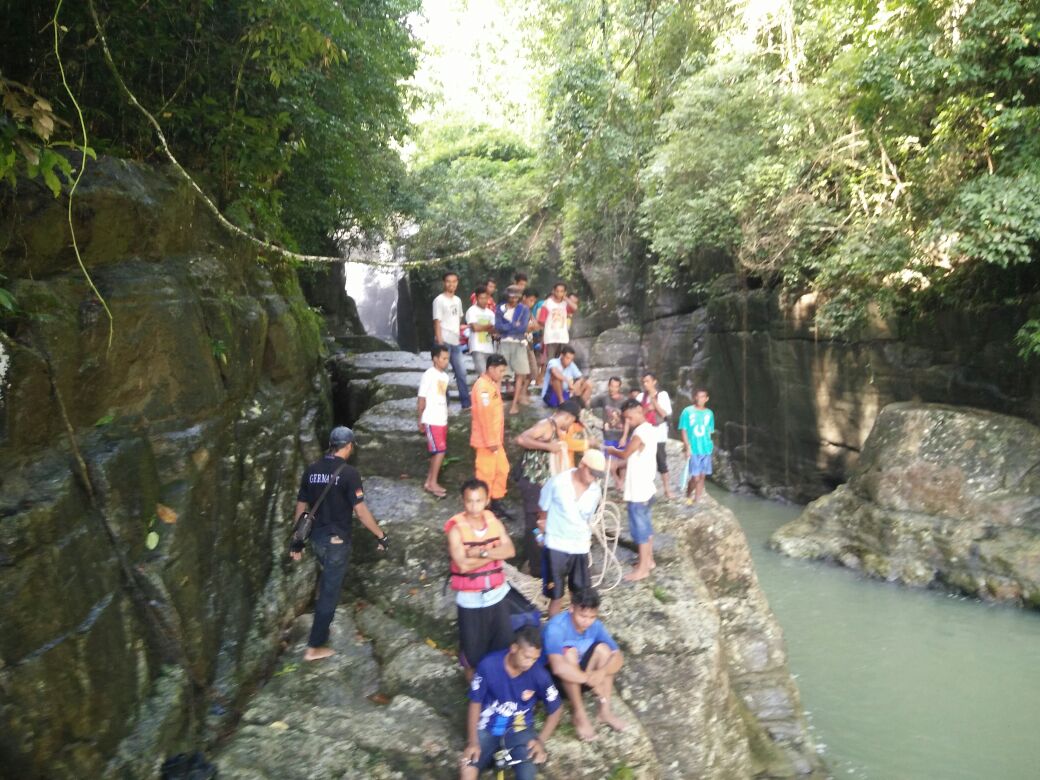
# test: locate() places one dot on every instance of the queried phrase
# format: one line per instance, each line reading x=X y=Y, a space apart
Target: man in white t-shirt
x=481 y=321
x=567 y=507
x=657 y=407
x=554 y=315
x=639 y=456
x=447 y=330
x=433 y=416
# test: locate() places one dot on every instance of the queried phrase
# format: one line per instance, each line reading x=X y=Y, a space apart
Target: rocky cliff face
x=120 y=646
x=793 y=410
x=942 y=496
x=705 y=687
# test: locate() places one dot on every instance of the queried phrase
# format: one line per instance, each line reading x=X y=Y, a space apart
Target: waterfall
x=374 y=288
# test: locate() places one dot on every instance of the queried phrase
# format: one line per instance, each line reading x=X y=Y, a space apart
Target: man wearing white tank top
x=553 y=316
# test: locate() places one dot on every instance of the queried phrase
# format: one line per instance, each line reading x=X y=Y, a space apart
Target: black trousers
x=532 y=551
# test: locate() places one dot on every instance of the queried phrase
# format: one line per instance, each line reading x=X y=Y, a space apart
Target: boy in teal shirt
x=697 y=424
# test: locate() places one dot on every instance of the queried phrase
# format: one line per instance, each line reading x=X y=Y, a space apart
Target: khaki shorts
x=515 y=353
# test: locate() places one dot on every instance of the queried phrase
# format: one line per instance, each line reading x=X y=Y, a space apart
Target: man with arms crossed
x=583 y=654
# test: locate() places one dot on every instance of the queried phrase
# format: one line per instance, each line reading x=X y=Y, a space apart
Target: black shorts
x=483 y=630
x=583 y=663
x=662 y=459
x=562 y=571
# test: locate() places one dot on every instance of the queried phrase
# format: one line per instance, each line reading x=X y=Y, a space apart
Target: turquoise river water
x=901 y=684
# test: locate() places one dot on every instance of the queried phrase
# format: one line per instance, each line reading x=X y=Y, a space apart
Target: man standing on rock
x=554 y=316
x=447 y=330
x=511 y=320
x=584 y=656
x=481 y=321
x=657 y=407
x=337 y=485
x=478 y=544
x=568 y=506
x=697 y=424
x=487 y=434
x=544 y=454
x=640 y=458
x=504 y=692
x=432 y=408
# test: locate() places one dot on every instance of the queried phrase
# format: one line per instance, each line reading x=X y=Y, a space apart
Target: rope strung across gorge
x=287 y=254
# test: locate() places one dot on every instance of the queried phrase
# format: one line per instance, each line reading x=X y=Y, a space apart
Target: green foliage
x=289 y=112
x=470 y=186
x=27 y=124
x=1028 y=340
x=894 y=169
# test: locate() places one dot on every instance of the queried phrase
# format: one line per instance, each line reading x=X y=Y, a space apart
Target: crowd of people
x=560 y=475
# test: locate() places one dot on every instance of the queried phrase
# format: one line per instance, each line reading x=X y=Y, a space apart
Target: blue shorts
x=552 y=400
x=699 y=464
x=639 y=521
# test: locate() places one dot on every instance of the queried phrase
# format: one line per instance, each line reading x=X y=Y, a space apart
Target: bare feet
x=637 y=574
x=606 y=715
x=584 y=728
x=317 y=653
x=435 y=490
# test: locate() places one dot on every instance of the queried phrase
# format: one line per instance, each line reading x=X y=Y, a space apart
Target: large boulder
x=941 y=495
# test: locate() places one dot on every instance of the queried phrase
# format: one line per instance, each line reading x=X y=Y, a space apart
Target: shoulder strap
x=314 y=509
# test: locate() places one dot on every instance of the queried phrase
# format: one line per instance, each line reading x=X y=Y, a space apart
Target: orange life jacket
x=489 y=576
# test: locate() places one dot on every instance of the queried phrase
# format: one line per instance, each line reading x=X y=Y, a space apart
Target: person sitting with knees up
x=583 y=656
x=507 y=686
x=563 y=379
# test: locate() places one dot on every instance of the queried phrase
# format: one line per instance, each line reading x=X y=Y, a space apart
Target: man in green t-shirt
x=697 y=424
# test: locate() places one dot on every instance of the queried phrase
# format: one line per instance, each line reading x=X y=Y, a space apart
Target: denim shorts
x=639 y=521
x=699 y=464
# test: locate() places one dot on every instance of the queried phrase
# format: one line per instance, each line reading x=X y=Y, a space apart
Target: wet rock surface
x=942 y=496
x=705 y=685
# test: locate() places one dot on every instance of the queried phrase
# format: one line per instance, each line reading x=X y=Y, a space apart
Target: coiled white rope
x=606 y=530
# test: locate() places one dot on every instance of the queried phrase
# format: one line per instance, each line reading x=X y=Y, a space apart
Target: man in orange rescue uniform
x=487 y=435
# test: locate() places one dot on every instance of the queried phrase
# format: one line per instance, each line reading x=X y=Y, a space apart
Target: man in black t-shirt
x=330 y=536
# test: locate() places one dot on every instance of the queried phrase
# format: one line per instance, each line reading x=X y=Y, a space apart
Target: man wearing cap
x=567 y=507
x=331 y=532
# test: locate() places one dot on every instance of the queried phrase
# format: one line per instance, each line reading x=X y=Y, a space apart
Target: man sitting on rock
x=504 y=691
x=583 y=656
x=563 y=380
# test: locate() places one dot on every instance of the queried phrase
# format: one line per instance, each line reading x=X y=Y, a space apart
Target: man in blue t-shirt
x=502 y=696
x=563 y=380
x=583 y=655
x=697 y=424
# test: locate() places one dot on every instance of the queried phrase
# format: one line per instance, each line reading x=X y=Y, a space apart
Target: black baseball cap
x=341 y=436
